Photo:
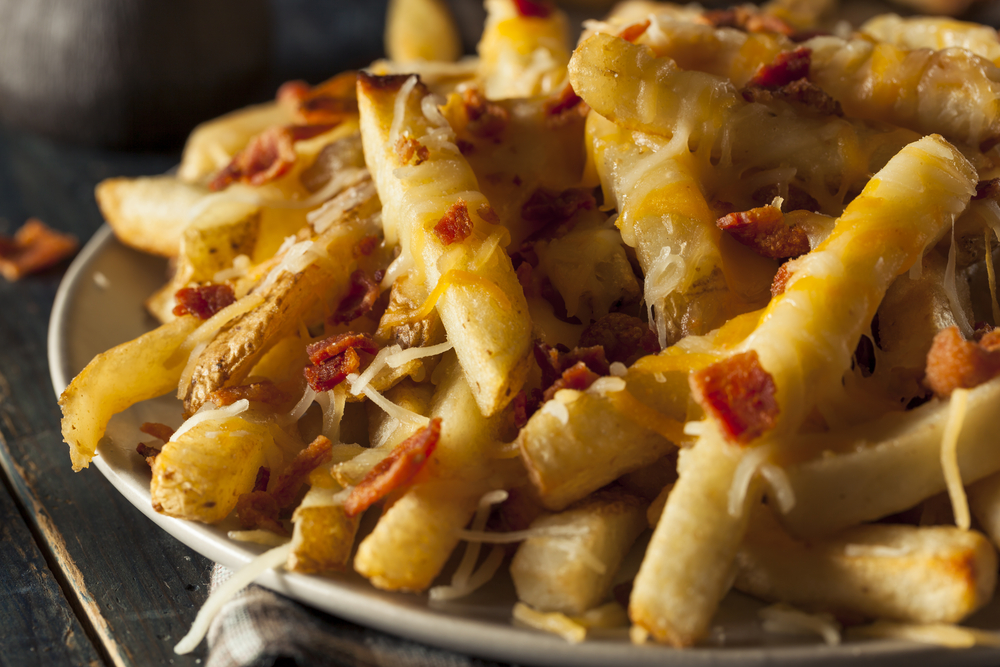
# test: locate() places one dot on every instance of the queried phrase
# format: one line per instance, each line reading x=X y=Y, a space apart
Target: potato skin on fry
x=202 y=474
x=148 y=214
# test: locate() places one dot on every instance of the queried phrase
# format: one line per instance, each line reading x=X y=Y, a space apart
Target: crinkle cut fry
x=485 y=313
x=804 y=342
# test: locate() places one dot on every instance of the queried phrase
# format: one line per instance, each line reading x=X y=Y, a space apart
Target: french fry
x=878 y=468
x=572 y=572
x=149 y=214
x=984 y=501
x=323 y=535
x=214 y=143
x=415 y=535
x=304 y=294
x=421 y=30
x=202 y=473
x=521 y=55
x=478 y=297
x=834 y=291
x=933 y=32
x=933 y=574
x=143 y=368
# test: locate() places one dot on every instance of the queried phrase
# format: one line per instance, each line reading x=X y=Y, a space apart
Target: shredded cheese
x=555 y=622
x=208 y=412
x=240 y=579
x=390 y=408
x=401 y=357
x=464 y=581
x=259 y=536
x=781 y=488
x=949 y=458
x=782 y=619
x=746 y=470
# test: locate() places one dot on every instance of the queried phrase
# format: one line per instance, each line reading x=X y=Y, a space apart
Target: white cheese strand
x=949 y=458
x=217 y=600
x=209 y=414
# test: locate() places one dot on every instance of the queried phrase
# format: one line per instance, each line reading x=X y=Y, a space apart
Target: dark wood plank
x=133 y=586
x=38 y=625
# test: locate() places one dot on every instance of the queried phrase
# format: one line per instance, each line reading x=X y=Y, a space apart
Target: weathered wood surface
x=132 y=589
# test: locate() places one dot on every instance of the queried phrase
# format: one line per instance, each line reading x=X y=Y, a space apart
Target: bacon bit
x=566 y=100
x=487 y=213
x=332 y=101
x=801 y=92
x=739 y=394
x=157 y=430
x=559 y=367
x=203 y=300
x=954 y=363
x=780 y=280
x=365 y=246
x=533 y=8
x=411 y=151
x=262 y=478
x=786 y=67
x=546 y=207
x=622 y=337
x=361 y=297
x=258 y=509
x=764 y=230
x=988 y=189
x=285 y=490
x=147 y=452
x=456 y=225
x=635 y=31
x=396 y=470
x=335 y=358
x=264 y=391
x=747 y=20
x=262 y=508
x=486 y=118
x=334 y=345
x=35 y=247
x=267 y=157
x=577 y=376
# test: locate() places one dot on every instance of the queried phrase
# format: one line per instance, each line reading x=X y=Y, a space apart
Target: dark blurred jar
x=134 y=74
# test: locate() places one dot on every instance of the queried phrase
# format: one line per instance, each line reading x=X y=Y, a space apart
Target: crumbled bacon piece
x=955 y=363
x=335 y=358
x=334 y=345
x=487 y=213
x=635 y=31
x=565 y=368
x=988 y=189
x=577 y=376
x=263 y=391
x=801 y=92
x=157 y=430
x=330 y=102
x=533 y=8
x=739 y=394
x=35 y=247
x=365 y=246
x=361 y=296
x=546 y=207
x=203 y=300
x=267 y=157
x=262 y=508
x=764 y=230
x=566 y=100
x=399 y=468
x=786 y=67
x=148 y=452
x=486 y=118
x=747 y=20
x=290 y=481
x=411 y=151
x=455 y=225
x=780 y=280
x=622 y=337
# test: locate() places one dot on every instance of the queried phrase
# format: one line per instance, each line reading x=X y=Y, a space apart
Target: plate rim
x=470 y=636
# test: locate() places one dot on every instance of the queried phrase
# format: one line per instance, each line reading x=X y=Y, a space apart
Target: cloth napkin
x=260 y=628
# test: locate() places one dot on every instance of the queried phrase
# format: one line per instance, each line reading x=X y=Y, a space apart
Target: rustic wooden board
x=134 y=588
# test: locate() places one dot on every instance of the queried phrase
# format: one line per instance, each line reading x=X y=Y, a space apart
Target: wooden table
x=85 y=578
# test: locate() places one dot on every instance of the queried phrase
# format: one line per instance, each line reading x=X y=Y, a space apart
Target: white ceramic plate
x=99 y=305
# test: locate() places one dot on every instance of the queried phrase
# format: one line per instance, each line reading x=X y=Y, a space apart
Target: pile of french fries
x=684 y=277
